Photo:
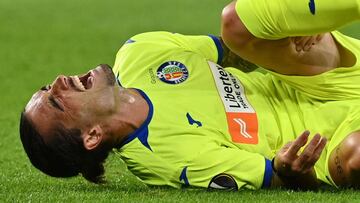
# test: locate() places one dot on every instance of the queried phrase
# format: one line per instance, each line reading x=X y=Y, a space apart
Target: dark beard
x=109 y=74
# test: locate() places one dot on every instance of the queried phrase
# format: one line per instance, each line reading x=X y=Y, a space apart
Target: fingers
x=306 y=156
x=298 y=143
x=286 y=147
x=290 y=163
x=311 y=153
x=317 y=152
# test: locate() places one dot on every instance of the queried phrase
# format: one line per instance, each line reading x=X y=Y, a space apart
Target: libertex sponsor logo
x=241 y=116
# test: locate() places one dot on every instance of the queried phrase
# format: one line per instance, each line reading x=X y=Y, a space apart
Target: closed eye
x=45 y=88
x=54 y=103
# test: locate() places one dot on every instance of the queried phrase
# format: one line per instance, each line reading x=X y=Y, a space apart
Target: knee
x=228 y=17
x=353 y=165
x=233 y=31
x=354 y=161
x=346 y=162
x=351 y=151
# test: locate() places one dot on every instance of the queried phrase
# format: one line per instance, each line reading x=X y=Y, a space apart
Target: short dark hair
x=64 y=155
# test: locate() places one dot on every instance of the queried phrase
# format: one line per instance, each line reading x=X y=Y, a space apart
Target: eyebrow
x=54 y=103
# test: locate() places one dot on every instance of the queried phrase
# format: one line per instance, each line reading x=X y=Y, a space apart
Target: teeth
x=78 y=83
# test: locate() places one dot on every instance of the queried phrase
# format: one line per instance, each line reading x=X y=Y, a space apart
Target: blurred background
x=40 y=39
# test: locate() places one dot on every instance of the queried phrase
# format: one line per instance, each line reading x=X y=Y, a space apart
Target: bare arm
x=230 y=59
x=344 y=162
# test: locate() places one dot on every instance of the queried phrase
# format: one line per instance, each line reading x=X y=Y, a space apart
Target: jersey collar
x=142 y=132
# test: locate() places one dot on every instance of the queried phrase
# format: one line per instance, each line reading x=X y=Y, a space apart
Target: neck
x=132 y=111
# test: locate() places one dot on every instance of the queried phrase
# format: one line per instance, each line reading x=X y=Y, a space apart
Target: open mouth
x=83 y=83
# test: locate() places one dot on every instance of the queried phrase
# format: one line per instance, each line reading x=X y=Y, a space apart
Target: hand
x=305 y=43
x=288 y=163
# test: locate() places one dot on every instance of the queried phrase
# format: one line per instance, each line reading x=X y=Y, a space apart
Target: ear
x=92 y=137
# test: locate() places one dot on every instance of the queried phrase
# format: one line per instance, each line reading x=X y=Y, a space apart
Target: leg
x=344 y=162
x=276 y=19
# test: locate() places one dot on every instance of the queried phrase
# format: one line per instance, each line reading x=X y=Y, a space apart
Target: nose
x=60 y=83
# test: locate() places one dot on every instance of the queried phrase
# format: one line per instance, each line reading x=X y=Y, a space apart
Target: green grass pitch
x=40 y=39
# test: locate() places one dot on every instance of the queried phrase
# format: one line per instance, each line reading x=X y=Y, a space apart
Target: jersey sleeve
x=228 y=168
x=208 y=46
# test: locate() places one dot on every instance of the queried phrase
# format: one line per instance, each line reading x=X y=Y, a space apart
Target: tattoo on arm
x=230 y=59
x=339 y=166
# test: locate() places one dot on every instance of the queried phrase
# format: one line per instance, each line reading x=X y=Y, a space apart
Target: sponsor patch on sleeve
x=223 y=182
x=241 y=116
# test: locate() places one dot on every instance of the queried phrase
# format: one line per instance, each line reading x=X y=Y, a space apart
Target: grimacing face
x=74 y=101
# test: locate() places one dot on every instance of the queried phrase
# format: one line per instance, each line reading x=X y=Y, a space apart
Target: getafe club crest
x=172 y=72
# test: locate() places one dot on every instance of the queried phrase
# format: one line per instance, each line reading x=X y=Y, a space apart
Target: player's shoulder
x=157 y=41
x=145 y=48
x=146 y=40
x=150 y=37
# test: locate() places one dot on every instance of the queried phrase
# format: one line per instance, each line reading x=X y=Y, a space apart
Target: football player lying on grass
x=177 y=117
